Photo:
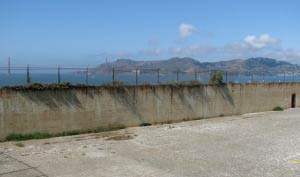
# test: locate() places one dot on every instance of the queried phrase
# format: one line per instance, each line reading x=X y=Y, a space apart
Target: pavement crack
x=15 y=171
x=29 y=166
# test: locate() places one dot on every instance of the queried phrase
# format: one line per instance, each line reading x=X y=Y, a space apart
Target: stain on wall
x=54 y=111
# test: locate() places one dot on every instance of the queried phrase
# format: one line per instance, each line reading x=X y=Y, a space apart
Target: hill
x=251 y=65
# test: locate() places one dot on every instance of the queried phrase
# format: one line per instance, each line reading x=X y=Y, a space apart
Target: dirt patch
x=119 y=137
x=114 y=135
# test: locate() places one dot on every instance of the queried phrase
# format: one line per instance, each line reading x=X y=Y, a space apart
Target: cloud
x=252 y=46
x=186 y=30
x=259 y=42
x=116 y=55
x=192 y=51
x=292 y=53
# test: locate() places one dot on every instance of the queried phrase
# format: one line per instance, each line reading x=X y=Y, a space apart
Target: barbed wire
x=175 y=74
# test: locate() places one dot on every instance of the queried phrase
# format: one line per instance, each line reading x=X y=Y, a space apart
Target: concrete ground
x=260 y=144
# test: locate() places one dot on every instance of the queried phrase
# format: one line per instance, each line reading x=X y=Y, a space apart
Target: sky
x=86 y=32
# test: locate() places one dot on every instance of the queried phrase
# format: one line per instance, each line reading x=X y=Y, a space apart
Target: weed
x=145 y=124
x=37 y=135
x=186 y=119
x=69 y=133
x=170 y=122
x=39 y=86
x=217 y=78
x=19 y=144
x=277 y=108
x=119 y=137
x=21 y=137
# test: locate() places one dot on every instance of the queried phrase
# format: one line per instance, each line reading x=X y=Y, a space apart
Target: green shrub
x=277 y=108
x=145 y=124
x=36 y=86
x=39 y=86
x=106 y=129
x=63 y=85
x=69 y=133
x=217 y=78
x=21 y=137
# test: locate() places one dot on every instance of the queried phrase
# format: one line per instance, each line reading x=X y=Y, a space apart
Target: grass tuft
x=37 y=135
x=145 y=124
x=21 y=137
x=20 y=144
x=277 y=108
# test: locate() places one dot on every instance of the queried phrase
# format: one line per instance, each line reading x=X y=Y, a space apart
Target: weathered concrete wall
x=55 y=111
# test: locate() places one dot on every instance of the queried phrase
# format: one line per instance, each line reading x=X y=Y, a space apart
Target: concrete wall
x=54 y=111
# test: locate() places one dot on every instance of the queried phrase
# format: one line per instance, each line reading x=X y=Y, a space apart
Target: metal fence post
x=87 y=76
x=293 y=77
x=28 y=76
x=226 y=73
x=8 y=69
x=158 y=75
x=136 y=76
x=252 y=77
x=195 y=74
x=113 y=75
x=177 y=75
x=284 y=77
x=58 y=74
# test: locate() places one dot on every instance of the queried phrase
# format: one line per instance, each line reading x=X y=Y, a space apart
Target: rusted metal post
x=113 y=75
x=27 y=75
x=177 y=75
x=8 y=69
x=293 y=77
x=58 y=74
x=158 y=75
x=136 y=76
x=87 y=76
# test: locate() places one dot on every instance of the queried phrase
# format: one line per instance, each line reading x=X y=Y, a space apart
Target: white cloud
x=116 y=55
x=262 y=41
x=192 y=51
x=186 y=30
x=292 y=53
x=253 y=46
